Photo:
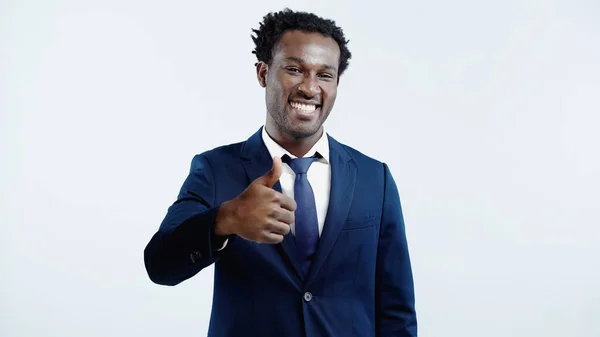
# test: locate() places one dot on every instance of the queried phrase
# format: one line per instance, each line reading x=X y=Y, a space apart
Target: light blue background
x=487 y=113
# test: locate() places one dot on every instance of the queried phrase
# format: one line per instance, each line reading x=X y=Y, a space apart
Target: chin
x=303 y=130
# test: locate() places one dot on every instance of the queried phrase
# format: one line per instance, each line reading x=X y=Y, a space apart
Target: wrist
x=222 y=223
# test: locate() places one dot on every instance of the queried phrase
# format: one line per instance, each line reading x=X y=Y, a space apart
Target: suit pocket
x=354 y=224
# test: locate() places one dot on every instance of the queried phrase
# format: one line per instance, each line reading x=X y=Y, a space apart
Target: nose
x=309 y=86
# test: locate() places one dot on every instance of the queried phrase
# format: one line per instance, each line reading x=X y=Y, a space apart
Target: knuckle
x=267 y=226
x=272 y=210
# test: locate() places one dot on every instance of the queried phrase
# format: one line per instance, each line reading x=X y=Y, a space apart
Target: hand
x=259 y=213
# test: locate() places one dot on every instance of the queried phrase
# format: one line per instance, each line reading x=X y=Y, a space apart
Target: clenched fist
x=259 y=213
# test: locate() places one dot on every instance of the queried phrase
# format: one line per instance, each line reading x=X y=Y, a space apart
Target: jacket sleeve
x=185 y=242
x=395 y=299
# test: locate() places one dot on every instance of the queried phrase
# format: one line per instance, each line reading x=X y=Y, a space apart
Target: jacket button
x=308 y=296
x=195 y=256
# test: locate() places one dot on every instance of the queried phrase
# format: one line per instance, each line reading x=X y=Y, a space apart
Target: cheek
x=288 y=85
x=280 y=89
x=329 y=95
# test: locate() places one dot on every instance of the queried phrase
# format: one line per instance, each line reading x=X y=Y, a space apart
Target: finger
x=279 y=227
x=287 y=203
x=272 y=238
x=284 y=215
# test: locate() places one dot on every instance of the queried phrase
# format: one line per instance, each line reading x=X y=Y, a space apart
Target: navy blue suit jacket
x=360 y=282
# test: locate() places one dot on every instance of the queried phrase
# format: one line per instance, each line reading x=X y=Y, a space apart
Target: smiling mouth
x=304 y=108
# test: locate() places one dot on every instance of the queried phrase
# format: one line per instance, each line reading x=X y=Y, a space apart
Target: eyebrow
x=299 y=60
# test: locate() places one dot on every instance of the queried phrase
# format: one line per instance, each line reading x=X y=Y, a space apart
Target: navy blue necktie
x=306 y=221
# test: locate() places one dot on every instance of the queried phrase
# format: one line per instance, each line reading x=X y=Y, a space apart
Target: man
x=306 y=234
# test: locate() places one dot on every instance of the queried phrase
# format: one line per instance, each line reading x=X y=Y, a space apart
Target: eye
x=326 y=76
x=294 y=70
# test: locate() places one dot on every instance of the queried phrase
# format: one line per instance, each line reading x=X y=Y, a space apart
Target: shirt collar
x=276 y=150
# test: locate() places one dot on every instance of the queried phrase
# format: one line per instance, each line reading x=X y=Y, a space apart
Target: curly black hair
x=274 y=25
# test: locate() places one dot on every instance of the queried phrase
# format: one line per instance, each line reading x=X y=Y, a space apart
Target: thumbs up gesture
x=259 y=213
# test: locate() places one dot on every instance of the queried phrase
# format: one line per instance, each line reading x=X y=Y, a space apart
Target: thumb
x=271 y=177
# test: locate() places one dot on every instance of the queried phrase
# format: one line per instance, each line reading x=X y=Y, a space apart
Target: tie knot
x=300 y=165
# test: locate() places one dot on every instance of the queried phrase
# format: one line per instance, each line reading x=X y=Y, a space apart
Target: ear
x=262 y=69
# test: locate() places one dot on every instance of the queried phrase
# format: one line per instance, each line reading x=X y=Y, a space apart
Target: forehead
x=313 y=48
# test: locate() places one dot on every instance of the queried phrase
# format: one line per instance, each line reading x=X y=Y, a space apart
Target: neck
x=296 y=146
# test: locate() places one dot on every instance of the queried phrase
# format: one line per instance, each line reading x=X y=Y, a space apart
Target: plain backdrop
x=486 y=111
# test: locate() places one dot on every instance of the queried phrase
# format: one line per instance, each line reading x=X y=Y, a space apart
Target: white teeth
x=303 y=107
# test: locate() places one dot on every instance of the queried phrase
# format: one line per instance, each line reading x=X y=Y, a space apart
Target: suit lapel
x=257 y=162
x=343 y=176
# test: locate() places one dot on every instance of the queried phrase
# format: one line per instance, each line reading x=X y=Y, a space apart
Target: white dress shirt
x=318 y=175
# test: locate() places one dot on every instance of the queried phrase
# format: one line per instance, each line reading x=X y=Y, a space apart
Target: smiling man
x=306 y=234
